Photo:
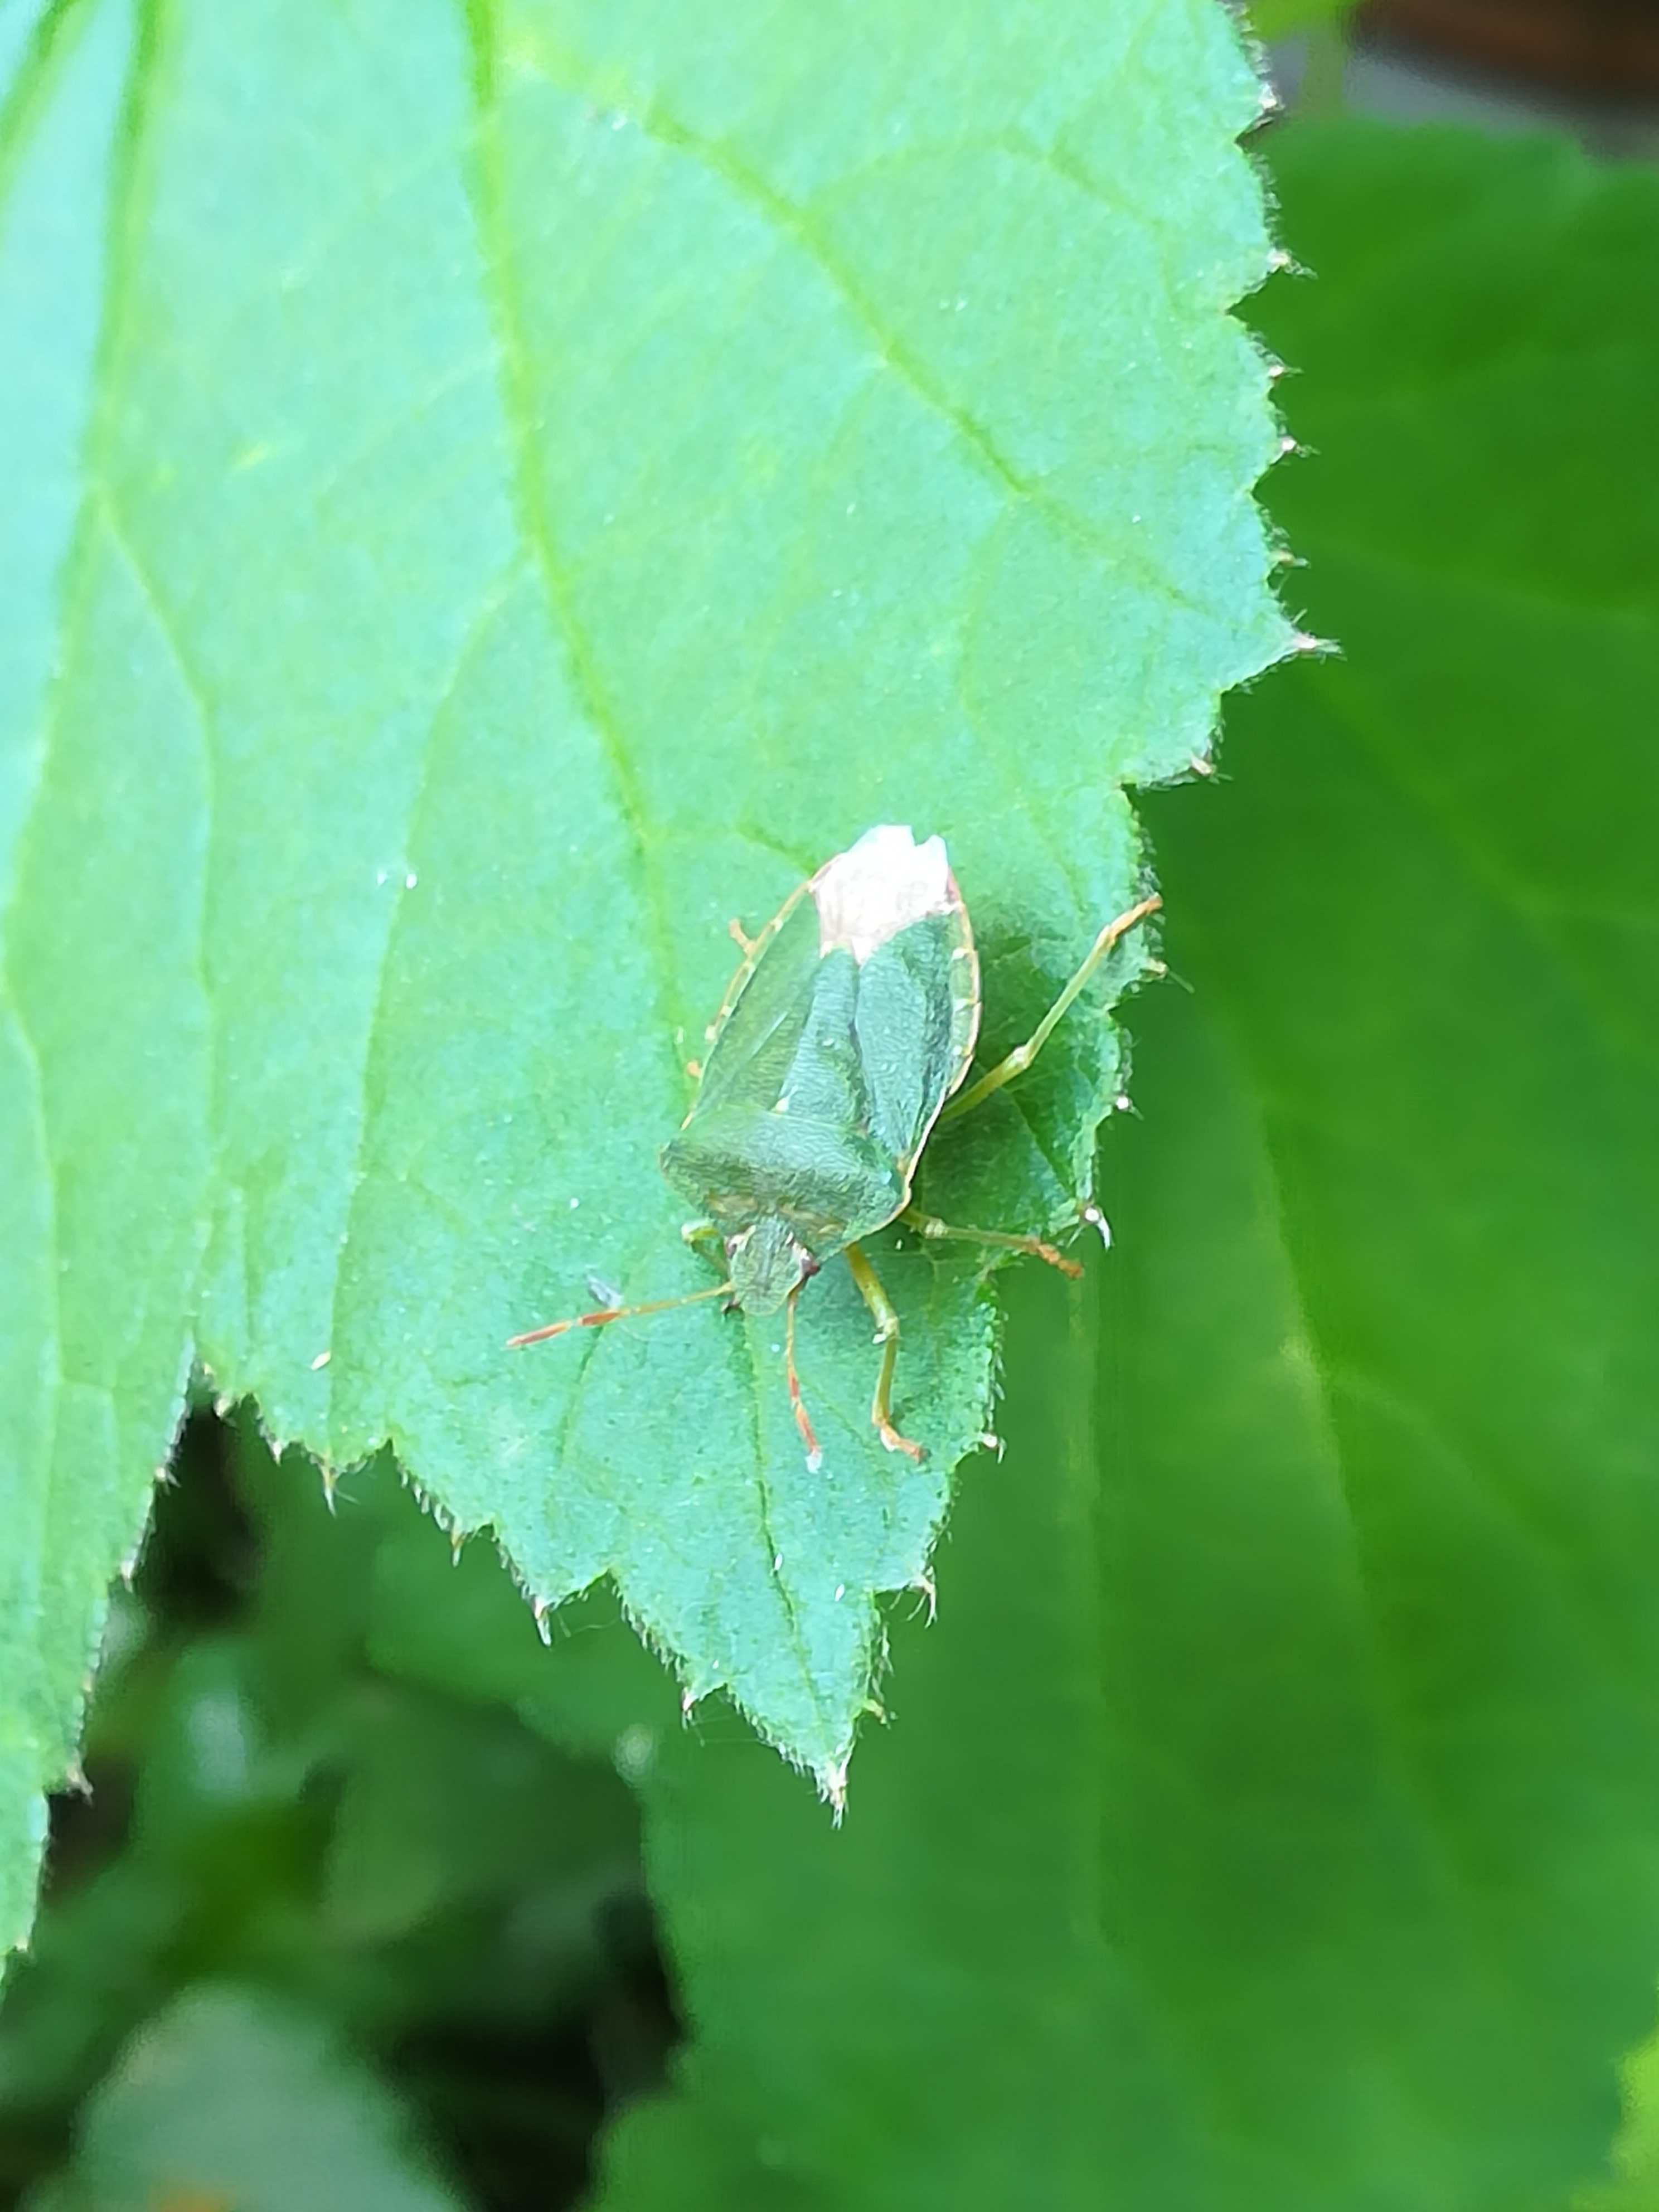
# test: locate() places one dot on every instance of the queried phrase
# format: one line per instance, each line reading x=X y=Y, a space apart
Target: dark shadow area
x=453 y=1903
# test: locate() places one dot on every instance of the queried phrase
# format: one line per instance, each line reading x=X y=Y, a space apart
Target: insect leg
x=887 y=1336
x=814 y=1456
x=616 y=1313
x=925 y=1224
x=1023 y=1055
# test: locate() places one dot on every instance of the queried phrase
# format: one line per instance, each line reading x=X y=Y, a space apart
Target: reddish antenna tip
x=613 y=1313
x=558 y=1328
x=536 y=1335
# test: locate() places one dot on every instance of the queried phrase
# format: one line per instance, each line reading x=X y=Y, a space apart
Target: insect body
x=849 y=1025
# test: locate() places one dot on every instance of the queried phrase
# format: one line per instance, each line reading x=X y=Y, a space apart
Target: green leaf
x=441 y=1804
x=227 y=2099
x=1271 y=1818
x=1279 y=19
x=497 y=495
x=1634 y=2186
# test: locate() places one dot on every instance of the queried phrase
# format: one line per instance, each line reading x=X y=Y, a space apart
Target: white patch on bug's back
x=879 y=887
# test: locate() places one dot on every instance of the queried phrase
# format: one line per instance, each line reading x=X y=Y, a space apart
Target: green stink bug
x=846 y=1034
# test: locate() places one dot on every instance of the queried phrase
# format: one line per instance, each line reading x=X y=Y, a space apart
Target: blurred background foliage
x=1272 y=1817
x=330 y=1850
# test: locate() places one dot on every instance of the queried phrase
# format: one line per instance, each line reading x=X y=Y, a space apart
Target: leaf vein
x=516 y=382
x=1320 y=1385
x=793 y=221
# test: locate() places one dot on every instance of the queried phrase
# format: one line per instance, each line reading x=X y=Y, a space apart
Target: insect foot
x=895 y=1443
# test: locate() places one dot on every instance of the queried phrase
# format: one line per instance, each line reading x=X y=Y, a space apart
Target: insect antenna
x=616 y=1313
x=814 y=1455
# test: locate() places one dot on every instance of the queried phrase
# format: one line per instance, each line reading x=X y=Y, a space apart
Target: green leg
x=925 y=1224
x=1023 y=1055
x=887 y=1336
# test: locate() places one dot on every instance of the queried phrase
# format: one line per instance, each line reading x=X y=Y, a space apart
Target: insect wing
x=916 y=1025
x=781 y=1124
x=845 y=1029
x=758 y=1030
